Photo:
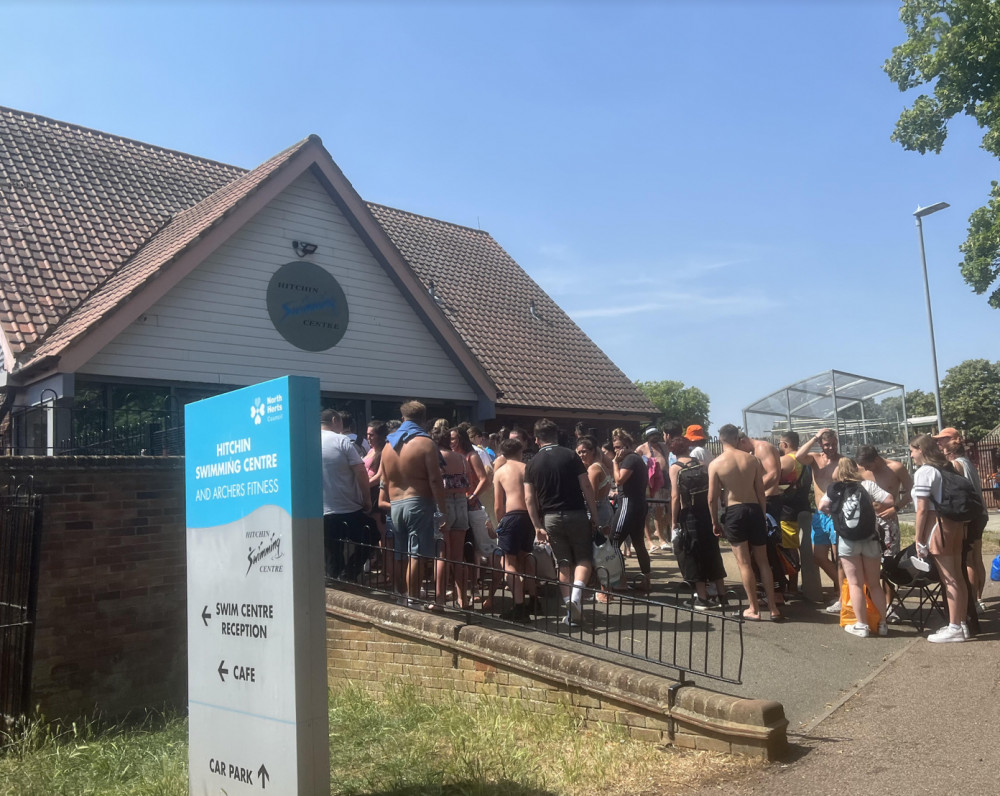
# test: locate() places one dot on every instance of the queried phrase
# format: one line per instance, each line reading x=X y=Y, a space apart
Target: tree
x=918 y=404
x=954 y=44
x=676 y=402
x=970 y=394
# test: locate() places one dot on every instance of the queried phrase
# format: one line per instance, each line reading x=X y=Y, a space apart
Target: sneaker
x=568 y=621
x=982 y=607
x=697 y=603
x=965 y=631
x=947 y=634
x=883 y=629
x=834 y=608
x=575 y=611
x=892 y=617
x=861 y=631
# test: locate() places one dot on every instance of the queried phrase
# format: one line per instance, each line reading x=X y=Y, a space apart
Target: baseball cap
x=695 y=433
x=948 y=433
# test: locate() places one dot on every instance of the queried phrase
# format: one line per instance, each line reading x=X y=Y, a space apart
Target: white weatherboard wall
x=214 y=327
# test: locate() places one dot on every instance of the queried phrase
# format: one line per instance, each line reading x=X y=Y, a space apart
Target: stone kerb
x=370 y=642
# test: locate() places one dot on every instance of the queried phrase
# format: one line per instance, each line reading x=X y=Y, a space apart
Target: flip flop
x=778 y=618
x=748 y=618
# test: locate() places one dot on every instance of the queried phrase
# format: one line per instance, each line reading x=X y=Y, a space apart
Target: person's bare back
x=508 y=485
x=736 y=472
x=411 y=472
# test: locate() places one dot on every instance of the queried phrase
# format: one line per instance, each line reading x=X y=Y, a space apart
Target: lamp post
x=919 y=213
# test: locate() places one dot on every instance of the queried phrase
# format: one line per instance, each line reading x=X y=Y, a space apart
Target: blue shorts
x=822 y=529
x=413 y=523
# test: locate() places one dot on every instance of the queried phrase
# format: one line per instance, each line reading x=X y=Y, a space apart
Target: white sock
x=953 y=626
x=577 y=595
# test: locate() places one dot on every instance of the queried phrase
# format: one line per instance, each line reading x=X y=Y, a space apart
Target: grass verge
x=398 y=743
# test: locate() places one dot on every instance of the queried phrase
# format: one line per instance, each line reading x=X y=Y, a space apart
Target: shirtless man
x=741 y=475
x=770 y=460
x=515 y=531
x=895 y=479
x=824 y=537
x=412 y=472
x=653 y=446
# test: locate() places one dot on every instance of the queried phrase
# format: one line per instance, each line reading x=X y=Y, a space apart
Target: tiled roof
x=74 y=205
x=185 y=228
x=538 y=358
x=87 y=218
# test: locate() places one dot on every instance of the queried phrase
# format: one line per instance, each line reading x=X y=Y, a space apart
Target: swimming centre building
x=134 y=279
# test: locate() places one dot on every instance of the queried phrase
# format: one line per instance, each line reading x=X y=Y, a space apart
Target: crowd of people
x=512 y=505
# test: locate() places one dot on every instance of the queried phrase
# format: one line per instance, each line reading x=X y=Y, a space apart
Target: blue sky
x=707 y=188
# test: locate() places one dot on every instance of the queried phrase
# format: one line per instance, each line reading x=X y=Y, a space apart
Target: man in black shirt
x=559 y=495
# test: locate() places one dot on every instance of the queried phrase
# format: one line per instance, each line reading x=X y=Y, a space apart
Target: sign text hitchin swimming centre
x=256 y=628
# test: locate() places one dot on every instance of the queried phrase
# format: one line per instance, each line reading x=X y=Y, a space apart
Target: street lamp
x=919 y=213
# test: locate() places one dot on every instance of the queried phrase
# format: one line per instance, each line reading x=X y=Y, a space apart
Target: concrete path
x=924 y=723
x=808 y=663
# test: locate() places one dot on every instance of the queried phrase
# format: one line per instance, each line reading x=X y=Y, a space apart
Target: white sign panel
x=257 y=692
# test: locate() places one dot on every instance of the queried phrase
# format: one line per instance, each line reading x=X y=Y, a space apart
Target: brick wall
x=111 y=630
x=370 y=642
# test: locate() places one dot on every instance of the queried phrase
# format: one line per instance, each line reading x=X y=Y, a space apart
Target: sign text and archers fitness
x=237 y=464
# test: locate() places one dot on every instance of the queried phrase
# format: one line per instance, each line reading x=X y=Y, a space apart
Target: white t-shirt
x=341 y=494
x=702 y=454
x=875 y=492
x=927 y=483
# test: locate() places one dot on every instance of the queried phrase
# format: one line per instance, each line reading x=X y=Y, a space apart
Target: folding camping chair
x=923 y=590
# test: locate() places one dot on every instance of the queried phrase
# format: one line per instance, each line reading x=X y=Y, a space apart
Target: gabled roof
x=74 y=205
x=535 y=353
x=90 y=220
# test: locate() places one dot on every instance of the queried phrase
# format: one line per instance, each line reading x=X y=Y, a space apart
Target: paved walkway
x=880 y=716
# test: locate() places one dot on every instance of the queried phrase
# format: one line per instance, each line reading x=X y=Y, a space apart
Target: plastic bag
x=847 y=616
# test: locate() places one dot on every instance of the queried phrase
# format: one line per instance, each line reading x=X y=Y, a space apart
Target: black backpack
x=959 y=499
x=852 y=511
x=692 y=481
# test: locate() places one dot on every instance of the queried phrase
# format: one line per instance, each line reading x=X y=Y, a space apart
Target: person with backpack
x=853 y=505
x=951 y=445
x=695 y=545
x=938 y=535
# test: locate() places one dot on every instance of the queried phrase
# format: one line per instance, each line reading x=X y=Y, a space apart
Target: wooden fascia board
x=391 y=259
x=77 y=354
x=9 y=360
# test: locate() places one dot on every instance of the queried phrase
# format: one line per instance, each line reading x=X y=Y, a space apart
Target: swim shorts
x=516 y=533
x=413 y=520
x=744 y=522
x=889 y=527
x=822 y=529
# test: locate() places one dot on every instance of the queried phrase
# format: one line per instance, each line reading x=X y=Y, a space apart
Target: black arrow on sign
x=222 y=671
x=264 y=776
x=205 y=615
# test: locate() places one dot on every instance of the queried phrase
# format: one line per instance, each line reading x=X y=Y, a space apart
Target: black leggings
x=630 y=523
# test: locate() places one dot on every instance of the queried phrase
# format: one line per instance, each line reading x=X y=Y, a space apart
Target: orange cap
x=948 y=433
x=695 y=433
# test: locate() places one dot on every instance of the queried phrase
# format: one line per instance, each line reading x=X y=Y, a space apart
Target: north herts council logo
x=257 y=411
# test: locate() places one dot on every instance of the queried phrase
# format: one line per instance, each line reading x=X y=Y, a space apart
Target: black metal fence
x=664 y=631
x=51 y=430
x=20 y=531
x=985 y=454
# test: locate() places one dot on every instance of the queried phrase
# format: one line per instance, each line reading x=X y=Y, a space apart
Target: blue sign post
x=257 y=692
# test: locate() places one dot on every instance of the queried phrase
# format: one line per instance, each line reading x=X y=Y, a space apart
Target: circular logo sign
x=307 y=306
